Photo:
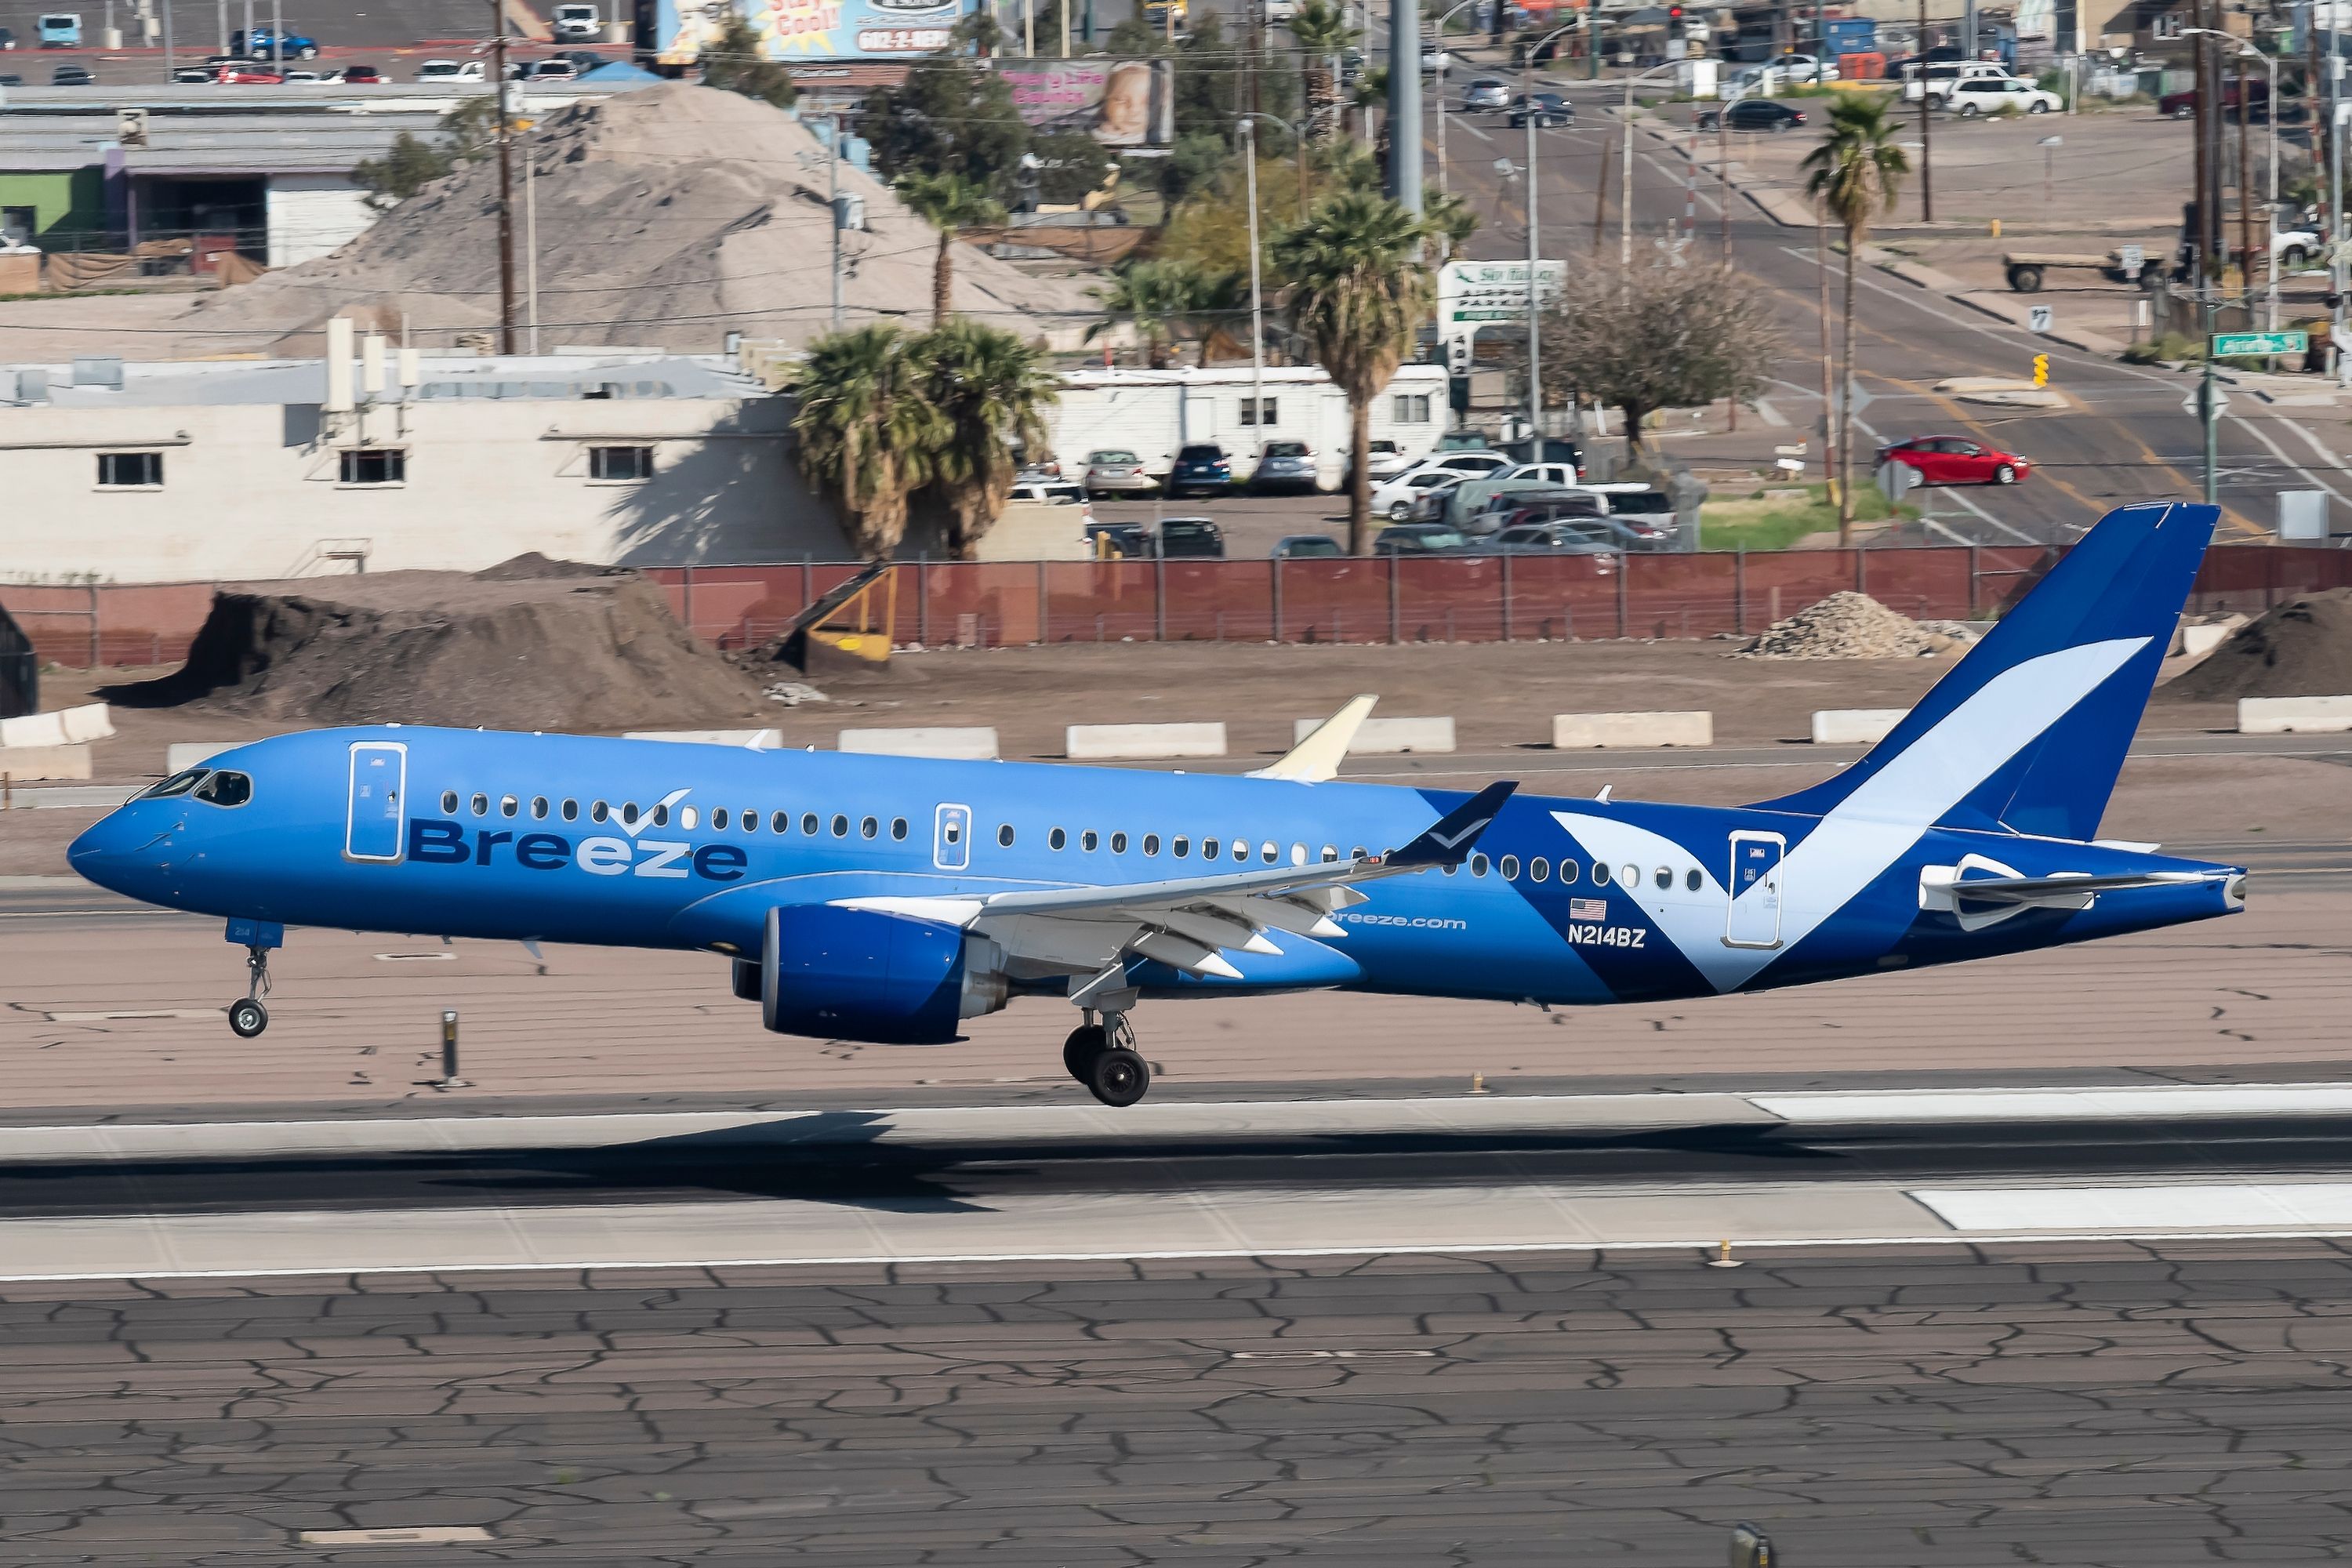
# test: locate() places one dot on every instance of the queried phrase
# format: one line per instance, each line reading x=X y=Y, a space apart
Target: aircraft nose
x=121 y=846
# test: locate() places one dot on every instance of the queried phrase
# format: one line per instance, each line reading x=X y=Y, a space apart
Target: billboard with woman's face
x=1120 y=103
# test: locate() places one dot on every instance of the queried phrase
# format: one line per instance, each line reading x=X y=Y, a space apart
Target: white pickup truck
x=1934 y=81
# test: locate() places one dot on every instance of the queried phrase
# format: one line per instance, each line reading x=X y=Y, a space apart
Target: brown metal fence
x=1442 y=599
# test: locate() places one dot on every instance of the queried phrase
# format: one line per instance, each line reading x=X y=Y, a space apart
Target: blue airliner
x=887 y=900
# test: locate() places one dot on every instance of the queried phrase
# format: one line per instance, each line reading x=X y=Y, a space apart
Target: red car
x=1956 y=460
x=247 y=74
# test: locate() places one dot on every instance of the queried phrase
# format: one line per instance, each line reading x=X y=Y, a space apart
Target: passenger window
x=448 y=797
x=661 y=813
x=1004 y=835
x=539 y=807
x=1477 y=865
x=1119 y=843
x=225 y=789
x=508 y=805
x=1450 y=870
x=868 y=827
x=1665 y=877
x=808 y=823
x=1088 y=841
x=1180 y=847
x=1330 y=853
x=1510 y=867
x=481 y=805
x=598 y=811
x=685 y=816
x=628 y=813
x=1208 y=849
x=1152 y=843
x=840 y=825
x=1269 y=852
x=1298 y=854
x=1540 y=869
x=1629 y=875
x=1693 y=880
x=898 y=827
x=570 y=811
x=1056 y=840
x=1357 y=853
x=749 y=821
x=1570 y=871
x=718 y=817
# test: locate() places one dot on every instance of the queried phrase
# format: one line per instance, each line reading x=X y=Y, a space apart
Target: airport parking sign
x=1472 y=293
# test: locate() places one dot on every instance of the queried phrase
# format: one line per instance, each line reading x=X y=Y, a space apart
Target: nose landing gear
x=247 y=1016
x=1103 y=1058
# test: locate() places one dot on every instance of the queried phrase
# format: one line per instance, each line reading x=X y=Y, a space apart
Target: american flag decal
x=1588 y=908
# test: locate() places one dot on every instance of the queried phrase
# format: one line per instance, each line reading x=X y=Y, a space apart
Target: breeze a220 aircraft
x=887 y=900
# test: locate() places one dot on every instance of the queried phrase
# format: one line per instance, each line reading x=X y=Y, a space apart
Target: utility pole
x=1404 y=104
x=2204 y=101
x=1625 y=182
x=506 y=178
x=1723 y=174
x=2246 y=197
x=1257 y=298
x=833 y=208
x=1828 y=406
x=1927 y=162
x=1535 y=336
x=2313 y=95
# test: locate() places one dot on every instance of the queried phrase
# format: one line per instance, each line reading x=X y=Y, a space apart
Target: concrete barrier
x=32 y=730
x=18 y=763
x=1105 y=742
x=91 y=722
x=971 y=743
x=754 y=739
x=2295 y=715
x=1574 y=730
x=182 y=755
x=2196 y=642
x=1854 y=726
x=1387 y=737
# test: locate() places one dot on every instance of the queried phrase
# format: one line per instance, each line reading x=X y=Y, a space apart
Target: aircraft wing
x=1188 y=922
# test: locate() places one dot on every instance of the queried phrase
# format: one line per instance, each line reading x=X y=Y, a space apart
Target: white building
x=1151 y=413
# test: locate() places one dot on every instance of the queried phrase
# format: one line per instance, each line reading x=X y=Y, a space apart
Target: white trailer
x=1151 y=413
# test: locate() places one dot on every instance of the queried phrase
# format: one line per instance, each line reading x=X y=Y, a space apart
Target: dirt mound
x=2302 y=649
x=667 y=216
x=1848 y=626
x=529 y=645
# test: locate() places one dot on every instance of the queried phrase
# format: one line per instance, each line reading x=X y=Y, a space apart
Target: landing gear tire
x=248 y=1017
x=1087 y=1042
x=1118 y=1077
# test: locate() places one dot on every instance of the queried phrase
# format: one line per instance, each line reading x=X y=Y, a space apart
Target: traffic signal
x=2041 y=370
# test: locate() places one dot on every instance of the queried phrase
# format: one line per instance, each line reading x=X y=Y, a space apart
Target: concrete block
x=967 y=743
x=91 y=722
x=755 y=740
x=1854 y=726
x=1570 y=731
x=2295 y=715
x=18 y=763
x=1387 y=737
x=1103 y=742
x=2198 y=641
x=182 y=755
x=32 y=730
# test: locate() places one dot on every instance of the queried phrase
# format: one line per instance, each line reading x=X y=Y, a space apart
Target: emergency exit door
x=1754 y=918
x=951 y=838
x=376 y=819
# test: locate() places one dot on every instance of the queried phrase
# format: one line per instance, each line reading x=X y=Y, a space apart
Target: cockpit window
x=178 y=783
x=226 y=788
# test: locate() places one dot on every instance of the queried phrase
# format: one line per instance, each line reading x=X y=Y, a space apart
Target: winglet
x=1317 y=757
x=1449 y=841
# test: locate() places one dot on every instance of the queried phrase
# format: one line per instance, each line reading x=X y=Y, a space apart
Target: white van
x=578 y=25
x=1936 y=79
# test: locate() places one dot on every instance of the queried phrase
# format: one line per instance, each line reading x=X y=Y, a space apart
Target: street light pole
x=1443 y=184
x=1625 y=179
x=1257 y=301
x=1535 y=337
x=1404 y=104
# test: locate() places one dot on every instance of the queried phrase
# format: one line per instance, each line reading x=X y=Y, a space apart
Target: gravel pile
x=2301 y=649
x=1852 y=625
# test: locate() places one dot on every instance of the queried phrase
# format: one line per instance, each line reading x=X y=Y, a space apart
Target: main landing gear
x=249 y=1018
x=1103 y=1058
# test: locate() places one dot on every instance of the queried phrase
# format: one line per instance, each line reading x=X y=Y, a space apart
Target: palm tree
x=1321 y=30
x=1450 y=219
x=1149 y=297
x=991 y=390
x=1856 y=172
x=948 y=202
x=868 y=433
x=1359 y=294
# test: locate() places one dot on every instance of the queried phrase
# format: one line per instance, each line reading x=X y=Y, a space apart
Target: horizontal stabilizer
x=2034 y=889
x=1448 y=842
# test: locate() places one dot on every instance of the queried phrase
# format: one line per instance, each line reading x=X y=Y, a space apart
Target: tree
x=410 y=164
x=1359 y=294
x=1154 y=298
x=1663 y=333
x=1856 y=172
x=948 y=203
x=952 y=115
x=1321 y=30
x=990 y=390
x=868 y=431
x=1450 y=218
x=736 y=61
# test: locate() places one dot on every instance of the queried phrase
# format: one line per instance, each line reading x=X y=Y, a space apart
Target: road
x=2123 y=436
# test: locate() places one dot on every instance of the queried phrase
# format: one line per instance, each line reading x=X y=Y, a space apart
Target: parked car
x=1461 y=441
x=1395 y=498
x=261 y=45
x=1051 y=492
x=1563 y=474
x=1753 y=114
x=1956 y=460
x=1558 y=536
x=1521 y=509
x=7 y=39
x=1119 y=542
x=1636 y=501
x=357 y=74
x=555 y=68
x=1999 y=95
x=1191 y=537
x=1433 y=59
x=1202 y=468
x=1307 y=547
x=1550 y=108
x=453 y=71
x=1284 y=464
x=59 y=29
x=250 y=73
x=72 y=76
x=1937 y=79
x=1431 y=504
x=1386 y=460
x=1485 y=92
x=296 y=74
x=577 y=22
x=1420 y=539
x=195 y=75
x=1117 y=471
x=1801 y=70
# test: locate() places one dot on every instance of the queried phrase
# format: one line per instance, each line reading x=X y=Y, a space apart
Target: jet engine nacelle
x=858 y=974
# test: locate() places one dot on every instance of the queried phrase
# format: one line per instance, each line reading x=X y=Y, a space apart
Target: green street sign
x=2231 y=345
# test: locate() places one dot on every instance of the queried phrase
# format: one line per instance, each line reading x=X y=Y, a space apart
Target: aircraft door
x=1754 y=918
x=376 y=818
x=951 y=838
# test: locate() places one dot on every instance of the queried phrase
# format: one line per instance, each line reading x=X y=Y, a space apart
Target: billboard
x=809 y=29
x=1120 y=103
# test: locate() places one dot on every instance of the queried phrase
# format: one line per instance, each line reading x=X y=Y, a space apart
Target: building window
x=1252 y=407
x=1411 y=408
x=374 y=465
x=131 y=471
x=620 y=462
